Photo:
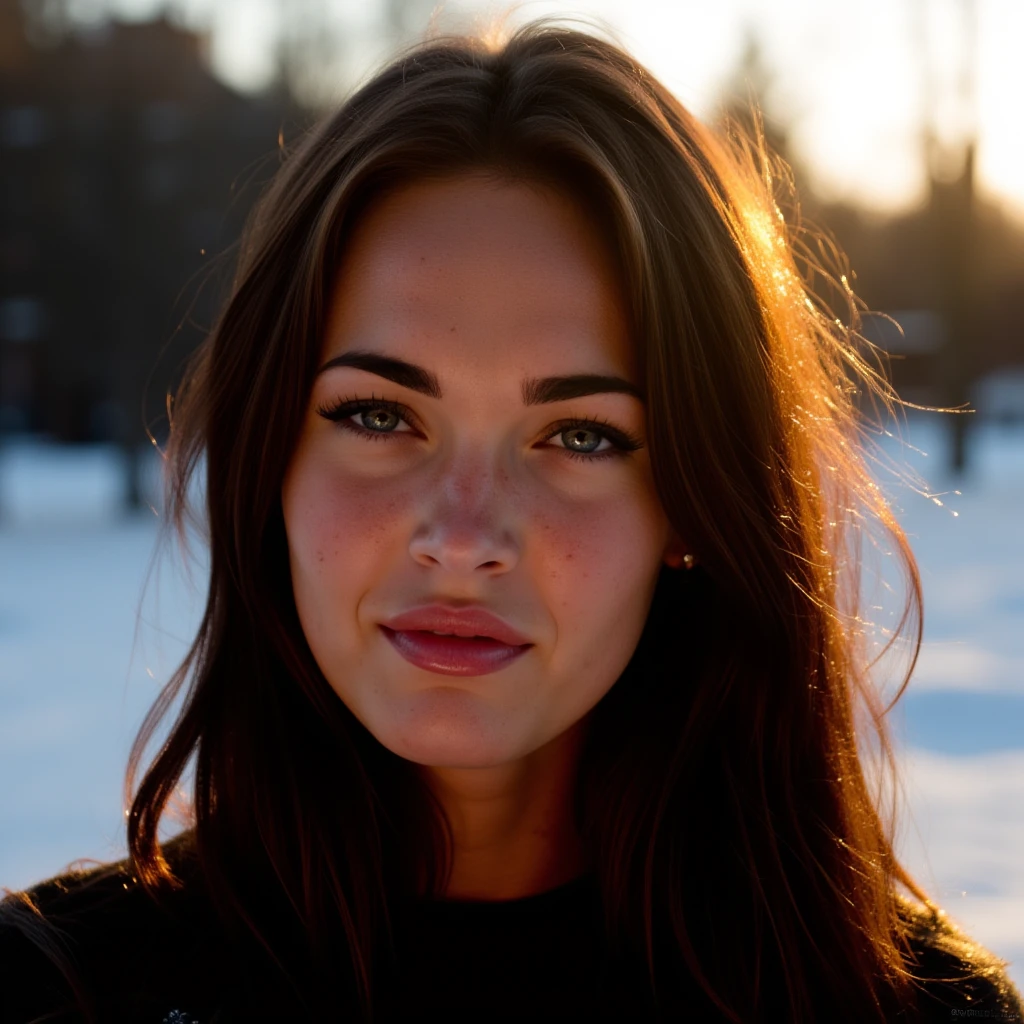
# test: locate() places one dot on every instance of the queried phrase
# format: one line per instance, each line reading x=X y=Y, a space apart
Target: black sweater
x=533 y=959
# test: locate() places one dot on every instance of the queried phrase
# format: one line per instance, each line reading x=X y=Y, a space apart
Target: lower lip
x=452 y=655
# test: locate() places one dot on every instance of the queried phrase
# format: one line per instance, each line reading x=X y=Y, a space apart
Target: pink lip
x=465 y=621
x=453 y=655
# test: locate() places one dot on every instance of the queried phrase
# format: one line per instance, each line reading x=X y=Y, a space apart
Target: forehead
x=486 y=271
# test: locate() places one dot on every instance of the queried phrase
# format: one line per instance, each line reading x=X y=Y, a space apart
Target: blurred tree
x=951 y=211
x=952 y=215
x=322 y=46
x=45 y=21
x=951 y=272
x=747 y=99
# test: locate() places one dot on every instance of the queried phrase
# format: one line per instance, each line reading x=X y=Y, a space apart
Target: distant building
x=124 y=166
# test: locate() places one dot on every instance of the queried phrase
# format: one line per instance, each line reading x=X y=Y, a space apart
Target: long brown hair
x=733 y=829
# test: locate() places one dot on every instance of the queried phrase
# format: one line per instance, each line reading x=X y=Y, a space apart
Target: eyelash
x=341 y=412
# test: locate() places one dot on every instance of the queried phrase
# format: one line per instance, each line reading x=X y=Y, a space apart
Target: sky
x=857 y=78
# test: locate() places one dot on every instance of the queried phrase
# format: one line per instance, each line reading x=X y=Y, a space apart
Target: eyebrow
x=536 y=390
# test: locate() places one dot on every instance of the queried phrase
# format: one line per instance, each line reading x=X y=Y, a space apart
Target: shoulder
x=957 y=976
x=92 y=939
x=104 y=896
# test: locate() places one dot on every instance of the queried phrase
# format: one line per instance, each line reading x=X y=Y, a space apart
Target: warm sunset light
x=855 y=82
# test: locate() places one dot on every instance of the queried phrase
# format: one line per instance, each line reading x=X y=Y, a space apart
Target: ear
x=676 y=552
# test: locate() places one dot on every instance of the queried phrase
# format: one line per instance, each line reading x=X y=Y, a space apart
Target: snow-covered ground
x=92 y=623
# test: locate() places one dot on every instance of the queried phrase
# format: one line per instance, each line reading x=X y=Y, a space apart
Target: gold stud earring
x=688 y=561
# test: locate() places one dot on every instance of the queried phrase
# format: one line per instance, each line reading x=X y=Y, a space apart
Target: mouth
x=451 y=636
x=453 y=655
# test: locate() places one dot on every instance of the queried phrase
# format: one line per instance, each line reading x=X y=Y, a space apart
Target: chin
x=451 y=740
x=450 y=752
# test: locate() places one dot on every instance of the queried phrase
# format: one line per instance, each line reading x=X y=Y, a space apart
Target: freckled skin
x=484 y=284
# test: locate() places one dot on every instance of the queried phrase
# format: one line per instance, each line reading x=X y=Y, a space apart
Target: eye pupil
x=575 y=434
x=376 y=418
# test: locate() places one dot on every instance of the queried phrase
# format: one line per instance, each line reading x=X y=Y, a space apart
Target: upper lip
x=464 y=621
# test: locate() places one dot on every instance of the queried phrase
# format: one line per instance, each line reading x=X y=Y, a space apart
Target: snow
x=93 y=619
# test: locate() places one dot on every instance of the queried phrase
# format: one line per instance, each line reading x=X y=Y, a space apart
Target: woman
x=520 y=353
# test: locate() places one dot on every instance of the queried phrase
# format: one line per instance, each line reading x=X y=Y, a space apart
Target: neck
x=512 y=824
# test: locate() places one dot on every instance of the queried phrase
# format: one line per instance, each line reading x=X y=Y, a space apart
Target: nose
x=466 y=523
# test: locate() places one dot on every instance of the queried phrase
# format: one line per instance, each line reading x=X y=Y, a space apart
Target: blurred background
x=134 y=136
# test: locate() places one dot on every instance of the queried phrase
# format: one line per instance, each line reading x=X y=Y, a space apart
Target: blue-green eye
x=382 y=427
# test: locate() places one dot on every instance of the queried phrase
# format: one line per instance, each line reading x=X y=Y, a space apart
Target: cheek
x=601 y=563
x=337 y=530
x=603 y=546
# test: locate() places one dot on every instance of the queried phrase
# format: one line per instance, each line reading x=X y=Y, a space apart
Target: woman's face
x=472 y=496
